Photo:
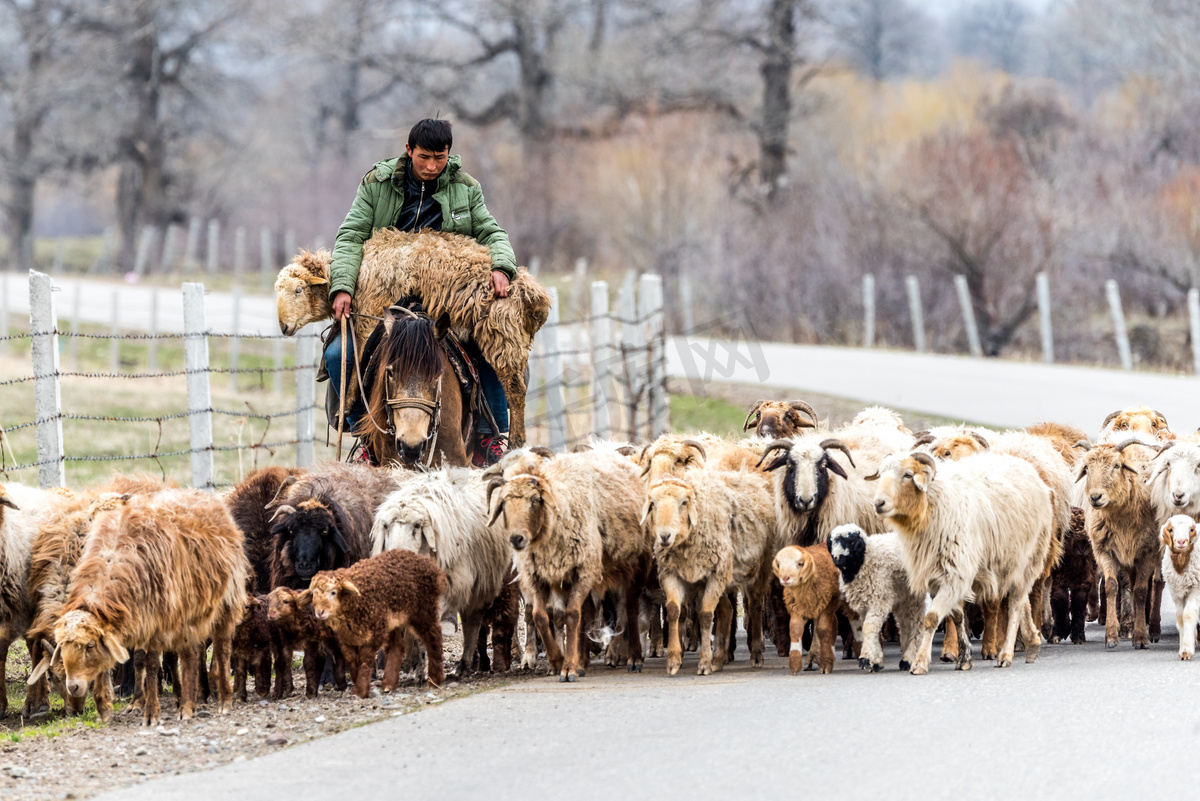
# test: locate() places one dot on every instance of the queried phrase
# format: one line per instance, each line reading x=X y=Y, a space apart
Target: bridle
x=432 y=408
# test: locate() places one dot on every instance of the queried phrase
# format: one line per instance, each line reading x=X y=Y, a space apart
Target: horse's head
x=411 y=355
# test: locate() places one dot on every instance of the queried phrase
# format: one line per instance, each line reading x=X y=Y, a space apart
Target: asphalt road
x=1080 y=722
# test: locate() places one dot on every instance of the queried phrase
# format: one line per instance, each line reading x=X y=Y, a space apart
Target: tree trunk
x=776 y=70
x=21 y=183
x=140 y=191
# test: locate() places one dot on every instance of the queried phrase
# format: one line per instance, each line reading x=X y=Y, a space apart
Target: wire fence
x=154 y=407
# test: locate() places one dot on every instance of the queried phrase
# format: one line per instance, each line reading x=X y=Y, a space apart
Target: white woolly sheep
x=1182 y=574
x=875 y=584
x=1174 y=480
x=979 y=528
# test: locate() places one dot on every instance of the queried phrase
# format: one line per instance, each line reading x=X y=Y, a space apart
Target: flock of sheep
x=867 y=532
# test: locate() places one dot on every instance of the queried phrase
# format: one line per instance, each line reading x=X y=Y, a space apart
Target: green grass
x=713 y=415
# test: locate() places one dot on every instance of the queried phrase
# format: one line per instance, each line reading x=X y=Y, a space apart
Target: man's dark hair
x=432 y=135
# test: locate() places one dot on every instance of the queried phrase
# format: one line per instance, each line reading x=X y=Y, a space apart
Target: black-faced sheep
x=810 y=591
x=250 y=506
x=370 y=604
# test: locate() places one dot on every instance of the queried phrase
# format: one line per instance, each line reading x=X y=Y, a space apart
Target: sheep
x=444 y=515
x=1174 y=480
x=810 y=591
x=370 y=604
x=295 y=625
x=711 y=530
x=501 y=618
x=1182 y=574
x=163 y=572
x=975 y=529
x=1122 y=526
x=249 y=505
x=323 y=520
x=1074 y=583
x=874 y=584
x=251 y=649
x=573 y=522
x=1064 y=438
x=1135 y=420
x=780 y=419
x=672 y=454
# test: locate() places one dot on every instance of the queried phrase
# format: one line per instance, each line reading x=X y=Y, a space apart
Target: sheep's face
x=806 y=482
x=903 y=483
x=527 y=509
x=1179 y=534
x=301 y=292
x=792 y=566
x=1109 y=476
x=87 y=649
x=282 y=604
x=958 y=446
x=1179 y=467
x=848 y=547
x=309 y=536
x=328 y=592
x=670 y=513
x=406 y=527
x=780 y=420
x=1138 y=420
x=670 y=458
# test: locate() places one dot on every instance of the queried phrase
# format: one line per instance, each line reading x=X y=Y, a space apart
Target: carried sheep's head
x=956 y=447
x=87 y=648
x=670 y=456
x=525 y=502
x=904 y=480
x=1110 y=469
x=1179 y=534
x=809 y=463
x=302 y=291
x=793 y=565
x=309 y=536
x=1136 y=420
x=669 y=514
x=780 y=419
x=327 y=593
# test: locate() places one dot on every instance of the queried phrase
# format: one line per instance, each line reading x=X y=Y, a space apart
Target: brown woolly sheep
x=250 y=506
x=1135 y=420
x=810 y=592
x=370 y=604
x=501 y=619
x=251 y=649
x=450 y=273
x=780 y=419
x=1064 y=438
x=163 y=572
x=296 y=626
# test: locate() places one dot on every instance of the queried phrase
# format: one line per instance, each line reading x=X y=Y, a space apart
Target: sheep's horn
x=1163 y=417
x=627 y=450
x=291 y=510
x=1083 y=443
x=287 y=482
x=642 y=455
x=779 y=444
x=753 y=413
x=979 y=438
x=924 y=438
x=581 y=448
x=837 y=444
x=691 y=443
x=927 y=460
x=542 y=451
x=801 y=406
x=1125 y=444
x=492 y=486
x=1166 y=446
x=1109 y=419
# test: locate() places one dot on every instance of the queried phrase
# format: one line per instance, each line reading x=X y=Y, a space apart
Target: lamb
x=874 y=584
x=323 y=520
x=295 y=626
x=250 y=506
x=573 y=522
x=370 y=604
x=780 y=419
x=1074 y=583
x=251 y=649
x=1122 y=525
x=711 y=530
x=810 y=591
x=444 y=515
x=501 y=618
x=975 y=529
x=1182 y=574
x=162 y=572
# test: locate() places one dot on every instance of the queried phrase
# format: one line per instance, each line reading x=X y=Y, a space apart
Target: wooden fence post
x=914 y=309
x=214 y=247
x=47 y=396
x=1043 y=295
x=556 y=411
x=152 y=342
x=306 y=393
x=195 y=359
x=1118 y=316
x=868 y=291
x=1194 y=324
x=968 y=311
x=650 y=315
x=601 y=364
x=114 y=344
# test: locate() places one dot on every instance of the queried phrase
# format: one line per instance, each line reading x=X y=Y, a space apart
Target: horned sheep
x=979 y=528
x=1182 y=574
x=780 y=419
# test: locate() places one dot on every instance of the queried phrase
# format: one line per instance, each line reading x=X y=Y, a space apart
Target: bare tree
x=993 y=31
x=881 y=38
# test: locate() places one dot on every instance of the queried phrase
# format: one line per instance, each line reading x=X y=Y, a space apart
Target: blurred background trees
x=774 y=151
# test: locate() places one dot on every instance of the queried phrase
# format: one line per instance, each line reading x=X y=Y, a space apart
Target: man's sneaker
x=489 y=449
x=362 y=454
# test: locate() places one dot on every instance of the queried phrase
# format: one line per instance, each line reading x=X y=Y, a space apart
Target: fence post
x=685 y=304
x=47 y=396
x=1114 y=304
x=289 y=244
x=152 y=342
x=556 y=412
x=239 y=255
x=632 y=347
x=166 y=259
x=195 y=361
x=964 y=300
x=1194 y=321
x=266 y=252
x=868 y=290
x=5 y=297
x=143 y=251
x=214 y=247
x=306 y=393
x=191 y=246
x=535 y=264
x=1043 y=295
x=114 y=346
x=578 y=288
x=650 y=315
x=601 y=355
x=235 y=342
x=914 y=309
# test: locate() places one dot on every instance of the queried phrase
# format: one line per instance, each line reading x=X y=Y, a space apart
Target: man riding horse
x=427 y=189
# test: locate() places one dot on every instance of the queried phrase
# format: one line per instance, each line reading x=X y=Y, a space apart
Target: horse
x=416 y=412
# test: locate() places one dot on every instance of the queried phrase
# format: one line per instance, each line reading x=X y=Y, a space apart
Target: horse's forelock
x=411 y=350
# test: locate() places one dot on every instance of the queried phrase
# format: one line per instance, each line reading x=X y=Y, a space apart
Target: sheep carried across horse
x=450 y=274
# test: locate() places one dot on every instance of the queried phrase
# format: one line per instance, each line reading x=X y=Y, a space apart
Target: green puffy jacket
x=377 y=205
